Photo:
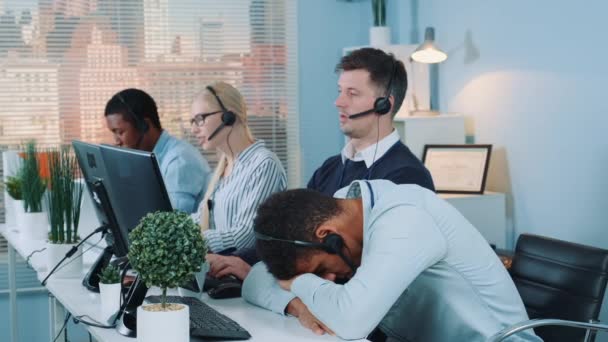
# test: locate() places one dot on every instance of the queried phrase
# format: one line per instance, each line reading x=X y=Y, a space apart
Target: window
x=75 y=54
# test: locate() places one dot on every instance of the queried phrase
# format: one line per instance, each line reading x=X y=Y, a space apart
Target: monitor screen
x=96 y=179
x=137 y=186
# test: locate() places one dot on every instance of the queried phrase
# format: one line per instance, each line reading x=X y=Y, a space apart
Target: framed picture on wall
x=458 y=169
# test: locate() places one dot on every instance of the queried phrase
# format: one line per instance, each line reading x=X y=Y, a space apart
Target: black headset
x=382 y=105
x=332 y=244
x=228 y=117
x=140 y=124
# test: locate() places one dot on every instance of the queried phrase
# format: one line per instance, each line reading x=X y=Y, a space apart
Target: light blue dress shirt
x=185 y=172
x=458 y=290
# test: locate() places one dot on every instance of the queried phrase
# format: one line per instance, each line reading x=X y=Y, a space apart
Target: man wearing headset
x=132 y=116
x=372 y=87
x=382 y=239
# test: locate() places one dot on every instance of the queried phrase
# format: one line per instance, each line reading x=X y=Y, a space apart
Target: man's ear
x=324 y=230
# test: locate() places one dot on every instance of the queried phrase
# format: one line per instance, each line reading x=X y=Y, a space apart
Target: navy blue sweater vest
x=398 y=165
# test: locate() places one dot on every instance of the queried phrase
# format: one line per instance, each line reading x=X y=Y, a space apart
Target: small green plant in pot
x=166 y=250
x=13 y=188
x=109 y=290
x=33 y=186
x=109 y=275
x=379 y=34
x=64 y=199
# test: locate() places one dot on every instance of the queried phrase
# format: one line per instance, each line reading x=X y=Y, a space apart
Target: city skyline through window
x=61 y=60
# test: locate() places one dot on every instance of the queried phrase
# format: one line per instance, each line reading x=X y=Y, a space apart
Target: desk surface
x=263 y=325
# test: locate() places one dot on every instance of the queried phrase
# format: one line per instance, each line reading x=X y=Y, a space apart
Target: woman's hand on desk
x=298 y=309
x=221 y=266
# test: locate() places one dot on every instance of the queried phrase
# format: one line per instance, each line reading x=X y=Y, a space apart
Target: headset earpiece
x=143 y=126
x=333 y=244
x=382 y=105
x=228 y=118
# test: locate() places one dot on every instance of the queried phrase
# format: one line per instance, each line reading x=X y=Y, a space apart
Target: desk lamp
x=427 y=53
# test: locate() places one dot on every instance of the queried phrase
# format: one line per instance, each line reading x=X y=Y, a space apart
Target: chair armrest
x=533 y=323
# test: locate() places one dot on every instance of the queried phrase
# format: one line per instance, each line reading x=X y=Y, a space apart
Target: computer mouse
x=225 y=290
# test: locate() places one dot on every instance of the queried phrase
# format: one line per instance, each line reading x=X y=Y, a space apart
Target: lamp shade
x=427 y=52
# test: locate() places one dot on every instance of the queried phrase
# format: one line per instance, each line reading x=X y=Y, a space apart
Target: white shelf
x=487 y=212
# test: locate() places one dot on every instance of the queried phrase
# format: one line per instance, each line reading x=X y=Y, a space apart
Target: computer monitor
x=95 y=177
x=137 y=186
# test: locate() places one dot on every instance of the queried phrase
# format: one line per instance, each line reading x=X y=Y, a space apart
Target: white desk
x=263 y=325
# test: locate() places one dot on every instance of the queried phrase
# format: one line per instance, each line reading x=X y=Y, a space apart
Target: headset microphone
x=362 y=114
x=217 y=130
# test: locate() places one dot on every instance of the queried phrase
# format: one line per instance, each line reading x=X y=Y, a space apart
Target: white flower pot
x=162 y=326
x=15 y=219
x=379 y=35
x=35 y=226
x=71 y=267
x=110 y=299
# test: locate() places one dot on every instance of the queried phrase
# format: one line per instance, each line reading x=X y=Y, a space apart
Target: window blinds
x=61 y=60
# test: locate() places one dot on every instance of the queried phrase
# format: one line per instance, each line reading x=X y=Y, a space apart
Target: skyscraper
x=156 y=29
x=211 y=39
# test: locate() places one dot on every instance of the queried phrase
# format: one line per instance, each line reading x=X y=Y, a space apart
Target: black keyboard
x=206 y=322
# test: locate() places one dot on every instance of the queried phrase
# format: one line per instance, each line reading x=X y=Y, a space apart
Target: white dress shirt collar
x=367 y=154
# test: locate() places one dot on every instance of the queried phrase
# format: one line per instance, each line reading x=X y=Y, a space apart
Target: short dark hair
x=131 y=102
x=291 y=215
x=381 y=66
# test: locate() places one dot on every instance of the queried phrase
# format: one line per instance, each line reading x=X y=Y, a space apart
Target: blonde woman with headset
x=247 y=173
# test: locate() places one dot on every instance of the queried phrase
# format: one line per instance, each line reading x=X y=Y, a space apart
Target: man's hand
x=298 y=309
x=221 y=266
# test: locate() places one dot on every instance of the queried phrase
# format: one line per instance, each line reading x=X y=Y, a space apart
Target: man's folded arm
x=261 y=288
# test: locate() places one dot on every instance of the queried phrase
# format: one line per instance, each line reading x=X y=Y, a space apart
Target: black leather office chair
x=560 y=282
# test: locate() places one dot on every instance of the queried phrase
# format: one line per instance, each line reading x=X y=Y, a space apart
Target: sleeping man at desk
x=344 y=264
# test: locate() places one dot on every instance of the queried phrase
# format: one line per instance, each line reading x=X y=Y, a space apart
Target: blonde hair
x=234 y=102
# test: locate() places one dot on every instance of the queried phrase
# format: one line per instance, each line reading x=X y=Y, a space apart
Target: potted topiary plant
x=35 y=224
x=166 y=250
x=64 y=198
x=379 y=34
x=109 y=290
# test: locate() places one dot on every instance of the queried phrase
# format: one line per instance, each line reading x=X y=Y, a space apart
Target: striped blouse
x=256 y=174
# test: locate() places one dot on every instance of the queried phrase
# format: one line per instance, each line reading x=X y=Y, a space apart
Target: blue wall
x=324 y=28
x=537 y=92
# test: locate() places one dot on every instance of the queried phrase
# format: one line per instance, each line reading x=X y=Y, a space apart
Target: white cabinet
x=487 y=212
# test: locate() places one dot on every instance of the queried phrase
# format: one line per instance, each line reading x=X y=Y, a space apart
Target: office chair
x=562 y=285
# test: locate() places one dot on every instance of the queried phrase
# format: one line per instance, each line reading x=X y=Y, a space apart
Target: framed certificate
x=458 y=169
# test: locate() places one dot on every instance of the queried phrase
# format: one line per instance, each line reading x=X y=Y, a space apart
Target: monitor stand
x=91 y=280
x=126 y=320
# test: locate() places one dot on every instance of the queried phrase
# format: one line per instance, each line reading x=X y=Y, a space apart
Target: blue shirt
x=185 y=171
x=458 y=290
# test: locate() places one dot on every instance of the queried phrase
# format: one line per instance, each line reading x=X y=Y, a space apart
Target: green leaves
x=64 y=196
x=32 y=185
x=379 y=10
x=166 y=249
x=13 y=186
x=109 y=275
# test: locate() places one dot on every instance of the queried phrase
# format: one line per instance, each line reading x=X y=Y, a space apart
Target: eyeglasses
x=199 y=119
